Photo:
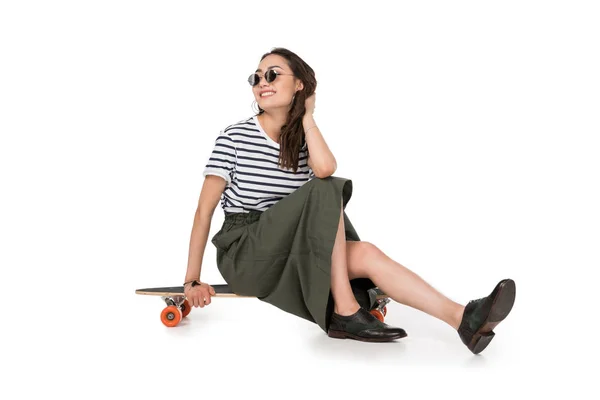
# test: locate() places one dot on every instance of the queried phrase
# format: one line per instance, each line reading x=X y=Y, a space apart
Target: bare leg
x=401 y=284
x=406 y=287
x=344 y=301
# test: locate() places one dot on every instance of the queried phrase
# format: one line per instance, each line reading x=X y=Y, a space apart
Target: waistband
x=243 y=217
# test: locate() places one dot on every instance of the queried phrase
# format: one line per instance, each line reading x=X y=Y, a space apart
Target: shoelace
x=477 y=300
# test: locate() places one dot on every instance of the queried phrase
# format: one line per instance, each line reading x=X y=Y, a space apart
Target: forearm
x=321 y=157
x=198 y=241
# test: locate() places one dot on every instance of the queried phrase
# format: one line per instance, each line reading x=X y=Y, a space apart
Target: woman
x=286 y=238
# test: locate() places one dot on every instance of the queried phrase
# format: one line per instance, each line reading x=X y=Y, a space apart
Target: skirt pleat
x=282 y=256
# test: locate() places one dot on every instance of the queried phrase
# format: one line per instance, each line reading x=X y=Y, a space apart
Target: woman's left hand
x=309 y=104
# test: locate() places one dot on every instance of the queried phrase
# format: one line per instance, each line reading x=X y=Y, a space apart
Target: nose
x=260 y=80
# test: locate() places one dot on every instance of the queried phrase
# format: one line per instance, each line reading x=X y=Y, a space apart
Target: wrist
x=311 y=128
x=308 y=121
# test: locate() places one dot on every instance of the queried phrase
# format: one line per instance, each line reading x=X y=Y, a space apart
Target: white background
x=469 y=130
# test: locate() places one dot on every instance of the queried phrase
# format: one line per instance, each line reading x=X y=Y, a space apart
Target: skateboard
x=178 y=307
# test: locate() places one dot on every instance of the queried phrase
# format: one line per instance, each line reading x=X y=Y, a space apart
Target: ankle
x=346 y=309
x=457 y=316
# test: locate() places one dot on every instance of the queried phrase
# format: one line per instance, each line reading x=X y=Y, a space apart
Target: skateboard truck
x=177 y=308
x=378 y=304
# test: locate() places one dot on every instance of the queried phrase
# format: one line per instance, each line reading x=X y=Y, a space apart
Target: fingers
x=194 y=298
x=200 y=296
x=206 y=296
x=198 y=299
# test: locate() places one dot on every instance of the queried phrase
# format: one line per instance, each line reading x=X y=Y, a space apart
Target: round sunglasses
x=270 y=76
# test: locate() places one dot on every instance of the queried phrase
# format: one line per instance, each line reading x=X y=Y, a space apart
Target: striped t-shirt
x=247 y=158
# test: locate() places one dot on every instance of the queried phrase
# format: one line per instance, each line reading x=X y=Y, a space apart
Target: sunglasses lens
x=270 y=75
x=253 y=79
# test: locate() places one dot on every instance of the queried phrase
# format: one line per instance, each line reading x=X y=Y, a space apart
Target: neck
x=272 y=123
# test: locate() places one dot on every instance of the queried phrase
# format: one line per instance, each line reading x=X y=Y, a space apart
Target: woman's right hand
x=199 y=295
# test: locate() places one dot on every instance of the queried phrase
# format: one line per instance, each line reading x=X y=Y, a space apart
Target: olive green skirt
x=283 y=255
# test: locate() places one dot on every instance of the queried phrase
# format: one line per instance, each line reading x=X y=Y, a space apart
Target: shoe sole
x=344 y=335
x=504 y=298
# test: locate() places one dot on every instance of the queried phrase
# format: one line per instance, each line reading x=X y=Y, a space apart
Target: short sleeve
x=222 y=158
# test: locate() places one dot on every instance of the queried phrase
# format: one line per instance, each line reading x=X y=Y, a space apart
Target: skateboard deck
x=220 y=290
x=179 y=308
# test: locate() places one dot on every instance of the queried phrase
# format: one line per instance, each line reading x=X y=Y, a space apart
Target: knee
x=316 y=181
x=367 y=251
x=319 y=185
x=328 y=180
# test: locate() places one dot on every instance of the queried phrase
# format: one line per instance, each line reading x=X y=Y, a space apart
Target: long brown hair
x=292 y=132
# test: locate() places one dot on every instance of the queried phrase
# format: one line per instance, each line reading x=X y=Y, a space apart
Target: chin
x=269 y=107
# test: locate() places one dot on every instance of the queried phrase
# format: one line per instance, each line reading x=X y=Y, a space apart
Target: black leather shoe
x=363 y=326
x=482 y=315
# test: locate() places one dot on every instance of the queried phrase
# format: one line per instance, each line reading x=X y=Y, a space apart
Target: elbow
x=325 y=171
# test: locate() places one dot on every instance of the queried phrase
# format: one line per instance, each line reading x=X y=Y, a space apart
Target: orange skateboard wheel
x=171 y=316
x=377 y=314
x=185 y=308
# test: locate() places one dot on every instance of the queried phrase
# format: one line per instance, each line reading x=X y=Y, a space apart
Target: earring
x=259 y=109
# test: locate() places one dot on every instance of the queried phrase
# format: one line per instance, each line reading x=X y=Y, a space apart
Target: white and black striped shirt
x=247 y=158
